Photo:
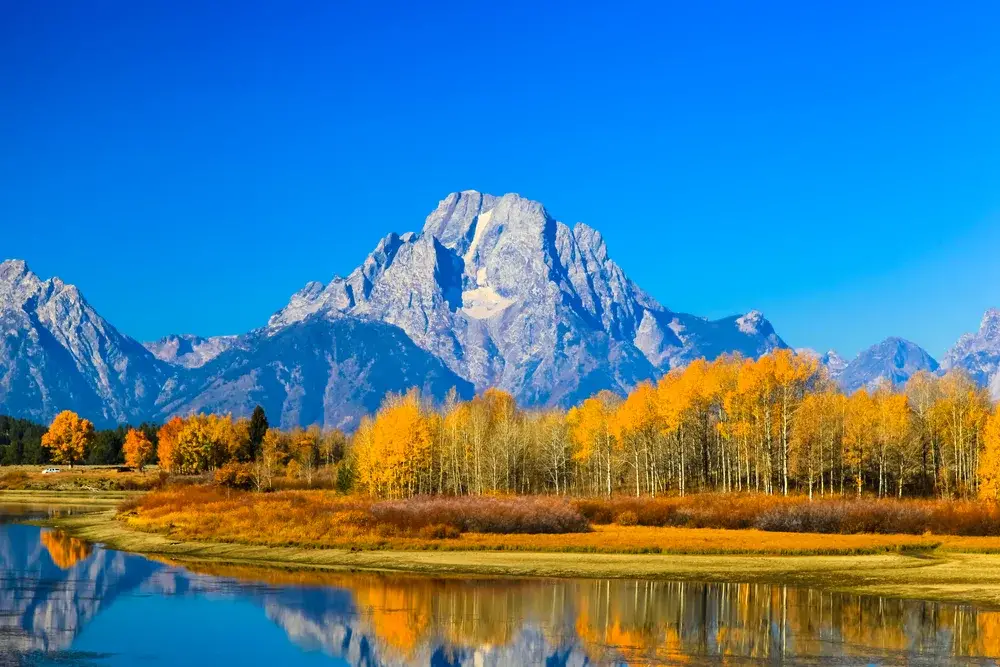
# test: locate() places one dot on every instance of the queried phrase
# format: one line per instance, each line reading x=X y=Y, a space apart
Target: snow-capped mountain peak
x=508 y=296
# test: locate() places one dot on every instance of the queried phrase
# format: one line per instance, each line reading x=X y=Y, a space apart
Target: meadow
x=703 y=524
x=80 y=478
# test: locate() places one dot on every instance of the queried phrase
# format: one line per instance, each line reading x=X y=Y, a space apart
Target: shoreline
x=934 y=574
x=63 y=498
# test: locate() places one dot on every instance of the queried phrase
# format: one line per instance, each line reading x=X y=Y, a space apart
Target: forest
x=775 y=425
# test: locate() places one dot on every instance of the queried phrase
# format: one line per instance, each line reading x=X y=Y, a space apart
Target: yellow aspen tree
x=592 y=429
x=860 y=424
x=68 y=438
x=792 y=374
x=166 y=443
x=989 y=460
x=636 y=425
x=137 y=449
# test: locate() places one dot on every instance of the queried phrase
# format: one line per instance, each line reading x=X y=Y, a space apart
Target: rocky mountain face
x=978 y=354
x=507 y=296
x=56 y=352
x=321 y=370
x=492 y=292
x=189 y=351
x=894 y=360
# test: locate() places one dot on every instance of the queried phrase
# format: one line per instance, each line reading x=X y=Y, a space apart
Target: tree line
x=21 y=443
x=774 y=425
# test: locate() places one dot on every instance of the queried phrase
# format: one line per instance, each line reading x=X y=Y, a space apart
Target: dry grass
x=653 y=540
x=797 y=514
x=325 y=519
x=80 y=478
x=319 y=519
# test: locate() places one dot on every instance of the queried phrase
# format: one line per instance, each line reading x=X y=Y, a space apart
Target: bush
x=235 y=476
x=797 y=514
x=15 y=479
x=484 y=514
x=627 y=518
x=439 y=531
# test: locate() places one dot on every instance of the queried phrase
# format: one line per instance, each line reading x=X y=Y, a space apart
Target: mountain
x=507 y=296
x=322 y=370
x=492 y=292
x=894 y=359
x=189 y=351
x=978 y=354
x=56 y=352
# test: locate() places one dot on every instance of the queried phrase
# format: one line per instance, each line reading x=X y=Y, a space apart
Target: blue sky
x=190 y=166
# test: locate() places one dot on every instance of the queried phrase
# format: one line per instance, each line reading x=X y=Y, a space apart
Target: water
x=65 y=602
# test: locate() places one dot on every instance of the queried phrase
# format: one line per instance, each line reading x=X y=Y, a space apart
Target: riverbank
x=938 y=574
x=63 y=498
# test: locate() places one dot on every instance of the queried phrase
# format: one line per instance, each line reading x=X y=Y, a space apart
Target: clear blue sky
x=190 y=165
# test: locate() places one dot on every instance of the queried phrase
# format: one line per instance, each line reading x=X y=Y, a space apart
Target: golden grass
x=319 y=519
x=79 y=478
x=643 y=539
x=79 y=498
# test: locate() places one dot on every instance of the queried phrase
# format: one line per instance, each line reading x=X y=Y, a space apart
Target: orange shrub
x=797 y=514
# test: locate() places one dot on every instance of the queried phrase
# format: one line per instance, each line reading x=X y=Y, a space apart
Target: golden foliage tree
x=989 y=461
x=166 y=443
x=393 y=450
x=68 y=438
x=138 y=449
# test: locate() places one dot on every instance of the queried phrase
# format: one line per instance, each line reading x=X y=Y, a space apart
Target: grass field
x=93 y=479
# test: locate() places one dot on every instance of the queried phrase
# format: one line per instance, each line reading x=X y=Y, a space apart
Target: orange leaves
x=638 y=414
x=167 y=443
x=65 y=551
x=137 y=449
x=591 y=427
x=393 y=447
x=68 y=438
x=989 y=461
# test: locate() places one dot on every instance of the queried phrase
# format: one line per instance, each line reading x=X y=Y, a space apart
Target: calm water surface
x=65 y=602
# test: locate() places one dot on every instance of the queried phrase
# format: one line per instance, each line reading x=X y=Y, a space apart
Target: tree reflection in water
x=54 y=586
x=410 y=618
x=65 y=550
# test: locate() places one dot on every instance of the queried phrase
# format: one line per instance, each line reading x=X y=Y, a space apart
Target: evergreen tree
x=258 y=427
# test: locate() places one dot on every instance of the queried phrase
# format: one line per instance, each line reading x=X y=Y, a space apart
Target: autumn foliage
x=65 y=550
x=317 y=518
x=797 y=514
x=68 y=438
x=138 y=449
x=775 y=425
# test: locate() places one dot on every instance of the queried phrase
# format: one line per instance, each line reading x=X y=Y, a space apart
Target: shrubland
x=799 y=514
x=708 y=523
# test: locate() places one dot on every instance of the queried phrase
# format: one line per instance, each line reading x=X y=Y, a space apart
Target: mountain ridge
x=493 y=291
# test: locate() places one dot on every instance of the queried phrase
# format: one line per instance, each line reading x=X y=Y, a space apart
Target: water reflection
x=60 y=599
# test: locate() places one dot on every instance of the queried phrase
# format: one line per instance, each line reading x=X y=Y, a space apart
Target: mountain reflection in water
x=63 y=600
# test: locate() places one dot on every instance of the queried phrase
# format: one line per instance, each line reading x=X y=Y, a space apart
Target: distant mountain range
x=492 y=292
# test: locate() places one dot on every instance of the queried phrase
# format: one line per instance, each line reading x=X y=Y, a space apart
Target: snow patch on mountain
x=508 y=296
x=189 y=351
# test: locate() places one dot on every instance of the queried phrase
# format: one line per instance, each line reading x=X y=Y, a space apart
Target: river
x=65 y=602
